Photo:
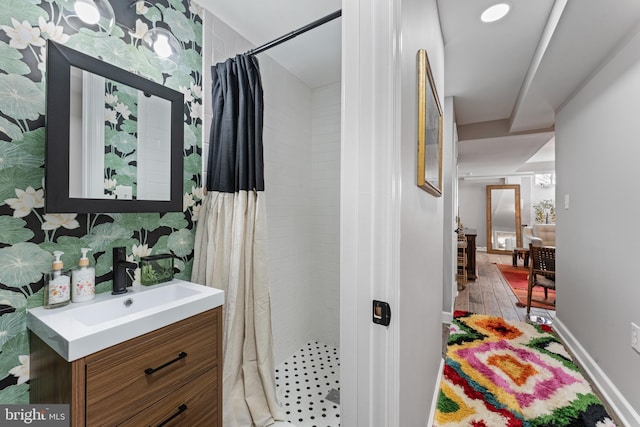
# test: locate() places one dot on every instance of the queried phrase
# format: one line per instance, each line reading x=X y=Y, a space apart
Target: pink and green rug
x=502 y=373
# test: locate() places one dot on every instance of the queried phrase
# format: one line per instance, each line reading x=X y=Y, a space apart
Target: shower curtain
x=231 y=243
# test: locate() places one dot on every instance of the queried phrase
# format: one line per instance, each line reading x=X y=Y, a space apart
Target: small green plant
x=148 y=275
x=545 y=212
x=156 y=269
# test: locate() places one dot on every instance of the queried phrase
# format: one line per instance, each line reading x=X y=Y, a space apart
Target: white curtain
x=231 y=243
x=231 y=254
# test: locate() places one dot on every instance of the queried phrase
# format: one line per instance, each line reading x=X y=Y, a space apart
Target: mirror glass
x=114 y=139
x=121 y=137
x=503 y=218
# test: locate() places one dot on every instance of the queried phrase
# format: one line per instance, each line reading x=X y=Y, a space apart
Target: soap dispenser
x=56 y=284
x=83 y=280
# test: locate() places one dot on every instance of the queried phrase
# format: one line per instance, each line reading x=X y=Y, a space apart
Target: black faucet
x=120 y=266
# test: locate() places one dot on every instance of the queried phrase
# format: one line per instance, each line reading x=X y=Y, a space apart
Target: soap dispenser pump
x=83 y=280
x=56 y=284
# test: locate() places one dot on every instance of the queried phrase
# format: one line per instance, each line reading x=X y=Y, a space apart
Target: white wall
x=421 y=245
x=537 y=195
x=325 y=217
x=597 y=152
x=391 y=230
x=450 y=197
x=472 y=201
x=154 y=148
x=287 y=159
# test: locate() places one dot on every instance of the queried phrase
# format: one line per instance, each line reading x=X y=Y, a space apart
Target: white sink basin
x=130 y=304
x=77 y=330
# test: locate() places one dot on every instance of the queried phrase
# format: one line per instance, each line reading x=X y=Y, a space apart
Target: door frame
x=370 y=212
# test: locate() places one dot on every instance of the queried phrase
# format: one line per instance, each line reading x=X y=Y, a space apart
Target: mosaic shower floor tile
x=308 y=386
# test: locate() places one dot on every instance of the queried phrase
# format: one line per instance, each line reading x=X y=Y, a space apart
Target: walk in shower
x=302 y=188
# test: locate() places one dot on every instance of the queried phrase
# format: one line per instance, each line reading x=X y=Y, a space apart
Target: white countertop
x=79 y=329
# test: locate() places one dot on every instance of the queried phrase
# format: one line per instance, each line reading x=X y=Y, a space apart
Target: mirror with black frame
x=111 y=138
x=503 y=218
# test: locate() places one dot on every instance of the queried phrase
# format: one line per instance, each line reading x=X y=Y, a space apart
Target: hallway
x=490 y=294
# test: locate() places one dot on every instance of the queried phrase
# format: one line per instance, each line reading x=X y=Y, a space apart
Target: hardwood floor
x=489 y=293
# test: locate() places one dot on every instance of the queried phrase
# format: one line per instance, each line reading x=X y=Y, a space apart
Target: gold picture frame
x=429 y=129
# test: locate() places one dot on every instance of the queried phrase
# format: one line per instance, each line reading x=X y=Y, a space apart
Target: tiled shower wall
x=301 y=153
x=325 y=268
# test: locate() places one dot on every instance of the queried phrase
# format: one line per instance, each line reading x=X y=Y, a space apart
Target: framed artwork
x=429 y=129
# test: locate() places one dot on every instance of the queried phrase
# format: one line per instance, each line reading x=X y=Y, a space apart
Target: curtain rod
x=295 y=33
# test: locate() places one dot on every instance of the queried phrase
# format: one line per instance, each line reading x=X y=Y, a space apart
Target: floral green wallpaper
x=28 y=236
x=121 y=136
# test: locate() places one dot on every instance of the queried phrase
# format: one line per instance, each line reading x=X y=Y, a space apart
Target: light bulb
x=161 y=46
x=87 y=11
x=165 y=49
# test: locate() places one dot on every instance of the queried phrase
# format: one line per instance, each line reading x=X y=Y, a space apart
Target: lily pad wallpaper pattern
x=28 y=237
x=121 y=138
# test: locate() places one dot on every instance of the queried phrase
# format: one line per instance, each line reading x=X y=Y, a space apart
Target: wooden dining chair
x=542 y=272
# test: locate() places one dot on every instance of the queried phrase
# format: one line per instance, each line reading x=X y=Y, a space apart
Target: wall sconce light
x=93 y=17
x=96 y=18
x=165 y=48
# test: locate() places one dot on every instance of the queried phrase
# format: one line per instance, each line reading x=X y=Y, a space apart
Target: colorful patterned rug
x=518 y=280
x=502 y=373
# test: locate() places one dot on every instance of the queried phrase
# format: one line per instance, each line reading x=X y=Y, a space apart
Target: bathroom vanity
x=168 y=376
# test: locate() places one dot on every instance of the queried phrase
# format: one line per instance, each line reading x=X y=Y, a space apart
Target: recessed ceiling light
x=495 y=12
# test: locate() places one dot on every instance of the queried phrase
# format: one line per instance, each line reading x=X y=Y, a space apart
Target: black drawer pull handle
x=150 y=371
x=181 y=409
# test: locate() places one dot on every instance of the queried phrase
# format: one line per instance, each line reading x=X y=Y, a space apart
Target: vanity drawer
x=117 y=385
x=193 y=405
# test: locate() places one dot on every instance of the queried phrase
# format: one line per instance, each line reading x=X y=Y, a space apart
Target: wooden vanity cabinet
x=171 y=375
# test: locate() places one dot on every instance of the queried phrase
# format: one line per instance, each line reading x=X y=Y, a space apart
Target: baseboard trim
x=623 y=410
x=447 y=317
x=436 y=394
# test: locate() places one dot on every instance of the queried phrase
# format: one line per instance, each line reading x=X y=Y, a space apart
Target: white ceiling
x=315 y=56
x=507 y=78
